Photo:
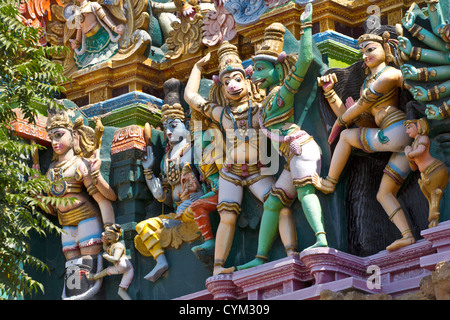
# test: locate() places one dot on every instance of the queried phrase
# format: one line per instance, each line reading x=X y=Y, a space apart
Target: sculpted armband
x=444 y=110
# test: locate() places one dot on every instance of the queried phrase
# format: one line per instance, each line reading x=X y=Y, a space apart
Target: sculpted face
x=265 y=73
x=373 y=53
x=234 y=85
x=189 y=184
x=175 y=130
x=61 y=139
x=412 y=130
x=109 y=237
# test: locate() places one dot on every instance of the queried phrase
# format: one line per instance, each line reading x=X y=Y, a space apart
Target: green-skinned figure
x=281 y=76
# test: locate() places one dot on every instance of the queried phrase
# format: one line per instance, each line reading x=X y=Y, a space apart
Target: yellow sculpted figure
x=433 y=172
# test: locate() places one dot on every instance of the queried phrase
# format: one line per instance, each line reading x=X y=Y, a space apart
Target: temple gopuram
x=246 y=150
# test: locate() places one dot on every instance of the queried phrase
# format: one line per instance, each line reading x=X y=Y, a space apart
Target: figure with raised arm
x=433 y=172
x=379 y=97
x=282 y=75
x=75 y=173
x=234 y=104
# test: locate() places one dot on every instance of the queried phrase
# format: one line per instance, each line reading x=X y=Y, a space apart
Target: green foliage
x=28 y=80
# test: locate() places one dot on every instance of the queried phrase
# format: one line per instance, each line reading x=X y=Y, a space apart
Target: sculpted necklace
x=59 y=185
x=374 y=77
x=242 y=133
x=173 y=165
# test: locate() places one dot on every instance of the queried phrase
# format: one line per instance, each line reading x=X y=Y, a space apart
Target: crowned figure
x=75 y=173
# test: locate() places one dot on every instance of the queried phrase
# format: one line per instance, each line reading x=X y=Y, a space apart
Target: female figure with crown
x=379 y=98
x=75 y=173
x=282 y=75
x=233 y=104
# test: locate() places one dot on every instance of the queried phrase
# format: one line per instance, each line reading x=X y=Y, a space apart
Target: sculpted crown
x=273 y=42
x=171 y=112
x=229 y=60
x=58 y=118
x=370 y=38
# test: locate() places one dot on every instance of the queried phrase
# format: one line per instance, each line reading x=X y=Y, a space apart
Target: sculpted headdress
x=272 y=47
x=171 y=112
x=229 y=59
x=172 y=108
x=385 y=40
x=58 y=118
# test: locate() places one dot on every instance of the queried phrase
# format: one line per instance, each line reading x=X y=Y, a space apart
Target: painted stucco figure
x=379 y=97
x=115 y=252
x=75 y=173
x=433 y=172
x=178 y=186
x=234 y=104
x=282 y=75
x=209 y=150
x=97 y=35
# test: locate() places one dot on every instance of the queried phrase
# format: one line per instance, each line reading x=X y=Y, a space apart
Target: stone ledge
x=303 y=276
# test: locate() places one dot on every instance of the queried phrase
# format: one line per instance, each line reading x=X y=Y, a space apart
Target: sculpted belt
x=74 y=216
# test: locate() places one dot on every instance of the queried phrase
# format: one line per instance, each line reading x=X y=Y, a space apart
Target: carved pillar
x=127 y=174
x=222 y=287
x=326 y=24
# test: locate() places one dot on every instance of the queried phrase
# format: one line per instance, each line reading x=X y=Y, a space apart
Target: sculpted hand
x=149 y=159
x=156 y=188
x=74 y=44
x=409 y=72
x=349 y=102
x=307 y=14
x=119 y=29
x=328 y=82
x=95 y=161
x=432 y=112
x=404 y=45
x=419 y=93
x=408 y=20
x=200 y=63
x=408 y=149
x=335 y=131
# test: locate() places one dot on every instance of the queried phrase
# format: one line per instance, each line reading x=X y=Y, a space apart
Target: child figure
x=433 y=172
x=115 y=253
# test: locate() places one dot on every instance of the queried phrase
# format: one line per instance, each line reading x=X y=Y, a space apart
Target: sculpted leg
x=159 y=269
x=313 y=212
x=224 y=240
x=267 y=231
x=347 y=140
x=200 y=211
x=434 y=203
x=288 y=232
x=147 y=243
x=386 y=196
